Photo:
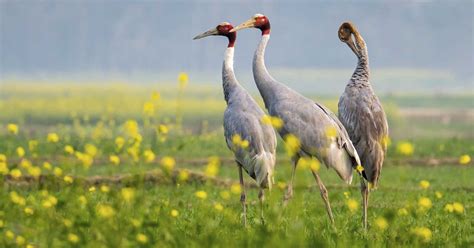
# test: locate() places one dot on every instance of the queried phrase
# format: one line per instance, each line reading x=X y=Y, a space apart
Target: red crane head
x=257 y=21
x=223 y=29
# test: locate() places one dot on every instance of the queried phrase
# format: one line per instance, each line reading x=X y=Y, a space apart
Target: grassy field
x=115 y=165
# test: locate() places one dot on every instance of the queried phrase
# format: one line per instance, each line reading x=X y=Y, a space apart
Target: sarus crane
x=309 y=121
x=362 y=114
x=252 y=142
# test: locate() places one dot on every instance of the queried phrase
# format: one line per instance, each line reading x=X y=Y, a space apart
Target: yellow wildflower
x=13 y=128
x=235 y=189
x=347 y=194
x=449 y=208
x=155 y=96
x=9 y=234
x=274 y=121
x=381 y=223
x=68 y=179
x=424 y=203
x=314 y=164
x=29 y=211
x=292 y=144
x=402 y=212
x=136 y=223
x=142 y=238
x=352 y=204
x=82 y=200
x=114 y=159
x=92 y=189
x=331 y=132
x=149 y=156
x=3 y=158
x=73 y=238
x=128 y=194
x=3 y=168
x=281 y=185
x=105 y=211
x=17 y=199
x=91 y=150
x=148 y=108
x=360 y=168
x=212 y=167
x=163 y=129
x=25 y=163
x=183 y=175
x=20 y=240
x=225 y=195
x=386 y=141
x=182 y=80
x=131 y=128
x=424 y=184
x=423 y=233
x=105 y=188
x=20 y=151
x=69 y=149
x=52 y=137
x=57 y=171
x=32 y=144
x=119 y=142
x=174 y=213
x=464 y=159
x=168 y=163
x=34 y=171
x=201 y=194
x=218 y=207
x=405 y=148
x=438 y=195
x=68 y=223
x=47 y=165
x=239 y=142
x=15 y=173
x=458 y=207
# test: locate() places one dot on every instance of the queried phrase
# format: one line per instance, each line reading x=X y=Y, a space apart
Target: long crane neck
x=229 y=81
x=265 y=83
x=362 y=71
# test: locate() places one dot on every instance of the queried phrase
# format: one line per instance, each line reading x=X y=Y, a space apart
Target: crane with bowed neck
x=318 y=130
x=252 y=142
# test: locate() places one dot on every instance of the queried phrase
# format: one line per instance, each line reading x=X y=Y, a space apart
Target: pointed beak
x=207 y=33
x=352 y=45
x=250 y=23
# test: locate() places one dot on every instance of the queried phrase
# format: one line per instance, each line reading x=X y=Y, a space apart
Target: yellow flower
x=17 y=199
x=458 y=207
x=359 y=168
x=34 y=171
x=128 y=194
x=168 y=163
x=424 y=203
x=20 y=241
x=131 y=128
x=68 y=179
x=114 y=159
x=3 y=168
x=57 y=171
x=183 y=80
x=155 y=96
x=73 y=238
x=402 y=212
x=69 y=149
x=12 y=128
x=281 y=185
x=201 y=194
x=105 y=211
x=92 y=189
x=20 y=151
x=423 y=233
x=25 y=163
x=119 y=142
x=68 y=223
x=3 y=158
x=218 y=207
x=15 y=173
x=30 y=246
x=464 y=159
x=274 y=121
x=142 y=238
x=136 y=223
x=352 y=204
x=163 y=129
x=105 y=188
x=331 y=132
x=183 y=175
x=149 y=156
x=86 y=159
x=438 y=195
x=225 y=195
x=91 y=150
x=405 y=148
x=212 y=167
x=386 y=141
x=47 y=165
x=148 y=108
x=314 y=164
x=292 y=144
x=381 y=223
x=9 y=234
x=239 y=142
x=174 y=213
x=424 y=184
x=347 y=194
x=449 y=208
x=52 y=137
x=32 y=144
x=29 y=211
x=82 y=200
x=235 y=189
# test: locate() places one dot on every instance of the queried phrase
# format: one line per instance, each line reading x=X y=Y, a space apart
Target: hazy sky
x=153 y=37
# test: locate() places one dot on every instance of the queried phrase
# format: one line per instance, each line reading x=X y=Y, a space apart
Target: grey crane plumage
x=309 y=121
x=362 y=114
x=242 y=124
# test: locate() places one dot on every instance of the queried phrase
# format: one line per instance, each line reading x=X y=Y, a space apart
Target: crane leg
x=324 y=195
x=289 y=189
x=364 y=190
x=243 y=196
x=261 y=197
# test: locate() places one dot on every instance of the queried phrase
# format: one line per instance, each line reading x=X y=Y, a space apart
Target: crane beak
x=352 y=45
x=207 y=33
x=247 y=24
